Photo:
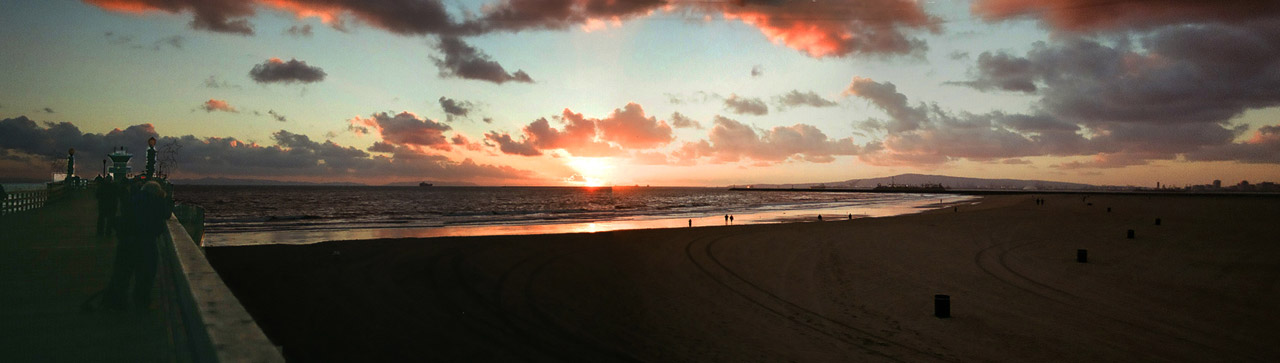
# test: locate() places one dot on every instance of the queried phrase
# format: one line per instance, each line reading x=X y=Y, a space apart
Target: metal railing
x=25 y=200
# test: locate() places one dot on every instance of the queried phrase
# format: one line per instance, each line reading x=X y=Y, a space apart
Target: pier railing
x=25 y=200
x=217 y=328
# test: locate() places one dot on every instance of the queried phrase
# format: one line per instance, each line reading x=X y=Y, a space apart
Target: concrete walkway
x=50 y=262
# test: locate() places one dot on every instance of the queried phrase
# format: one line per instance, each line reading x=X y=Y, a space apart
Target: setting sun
x=591 y=172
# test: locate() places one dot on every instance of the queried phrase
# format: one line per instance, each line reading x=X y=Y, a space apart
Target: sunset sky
x=705 y=92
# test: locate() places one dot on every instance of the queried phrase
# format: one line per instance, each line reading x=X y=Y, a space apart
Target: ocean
x=244 y=215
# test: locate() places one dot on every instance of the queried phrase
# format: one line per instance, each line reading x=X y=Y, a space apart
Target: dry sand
x=1203 y=286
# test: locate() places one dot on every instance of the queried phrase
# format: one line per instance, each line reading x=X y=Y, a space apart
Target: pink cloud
x=217 y=105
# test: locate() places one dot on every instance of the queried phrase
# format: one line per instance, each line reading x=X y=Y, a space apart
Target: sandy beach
x=1204 y=285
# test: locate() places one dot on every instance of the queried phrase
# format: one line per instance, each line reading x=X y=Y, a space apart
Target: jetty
x=51 y=263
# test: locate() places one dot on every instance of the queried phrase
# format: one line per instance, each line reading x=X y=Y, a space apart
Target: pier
x=51 y=262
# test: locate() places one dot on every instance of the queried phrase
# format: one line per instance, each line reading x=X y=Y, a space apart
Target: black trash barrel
x=942 y=306
x=1130 y=234
x=1082 y=256
x=1157 y=221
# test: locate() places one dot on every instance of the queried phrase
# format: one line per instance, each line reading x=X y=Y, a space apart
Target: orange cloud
x=836 y=28
x=628 y=127
x=217 y=105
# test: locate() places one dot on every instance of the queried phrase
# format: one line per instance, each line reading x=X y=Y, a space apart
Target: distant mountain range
x=951 y=182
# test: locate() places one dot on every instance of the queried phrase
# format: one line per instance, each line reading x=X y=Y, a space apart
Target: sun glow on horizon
x=591 y=171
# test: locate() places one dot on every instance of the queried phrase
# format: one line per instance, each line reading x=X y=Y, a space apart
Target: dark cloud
x=958 y=55
x=1169 y=91
x=937 y=136
x=454 y=108
x=1263 y=147
x=757 y=70
x=510 y=146
x=745 y=106
x=175 y=41
x=1113 y=15
x=487 y=120
x=464 y=61
x=732 y=141
x=924 y=134
x=24 y=144
x=518 y=15
x=795 y=99
x=404 y=129
x=902 y=117
x=48 y=110
x=277 y=116
x=275 y=70
x=217 y=105
x=681 y=121
x=1003 y=72
x=818 y=28
x=296 y=31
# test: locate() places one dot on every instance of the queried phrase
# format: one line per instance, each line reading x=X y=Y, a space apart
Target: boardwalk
x=50 y=261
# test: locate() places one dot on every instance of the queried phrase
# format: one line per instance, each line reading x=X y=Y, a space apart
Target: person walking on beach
x=107 y=206
x=143 y=217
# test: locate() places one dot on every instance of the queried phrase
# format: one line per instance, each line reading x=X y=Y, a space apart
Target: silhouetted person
x=819 y=217
x=851 y=216
x=142 y=218
x=690 y=223
x=107 y=206
x=726 y=218
x=730 y=219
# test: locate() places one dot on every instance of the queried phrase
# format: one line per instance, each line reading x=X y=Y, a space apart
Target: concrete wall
x=218 y=327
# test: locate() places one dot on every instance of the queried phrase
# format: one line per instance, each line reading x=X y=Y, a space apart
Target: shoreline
x=759 y=216
x=1199 y=287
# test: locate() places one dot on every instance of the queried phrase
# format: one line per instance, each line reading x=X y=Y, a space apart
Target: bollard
x=942 y=306
x=1082 y=256
x=1157 y=221
x=1130 y=234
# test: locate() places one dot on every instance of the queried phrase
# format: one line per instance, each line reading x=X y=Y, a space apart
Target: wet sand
x=1202 y=286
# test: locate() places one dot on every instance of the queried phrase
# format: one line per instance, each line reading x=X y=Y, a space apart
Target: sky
x=648 y=92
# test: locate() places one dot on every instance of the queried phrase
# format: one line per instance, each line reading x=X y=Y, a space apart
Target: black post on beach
x=1157 y=221
x=942 y=306
x=955 y=209
x=1130 y=236
x=1108 y=209
x=1082 y=256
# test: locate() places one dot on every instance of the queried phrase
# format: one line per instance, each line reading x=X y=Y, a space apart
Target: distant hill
x=951 y=182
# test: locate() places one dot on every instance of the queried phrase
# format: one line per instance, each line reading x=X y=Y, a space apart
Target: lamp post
x=71 y=163
x=151 y=158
